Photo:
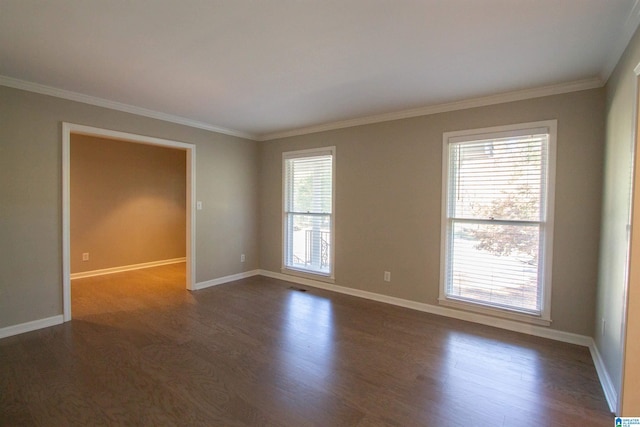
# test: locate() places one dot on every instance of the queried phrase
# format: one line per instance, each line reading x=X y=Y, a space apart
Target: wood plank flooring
x=141 y=350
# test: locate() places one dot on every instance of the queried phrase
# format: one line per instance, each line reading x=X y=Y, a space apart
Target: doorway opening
x=69 y=130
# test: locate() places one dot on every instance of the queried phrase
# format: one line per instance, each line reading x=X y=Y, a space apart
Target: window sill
x=495 y=312
x=308 y=275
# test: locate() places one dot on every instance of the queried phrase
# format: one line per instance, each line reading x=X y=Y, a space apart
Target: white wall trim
x=119 y=106
x=112 y=270
x=225 y=279
x=66 y=221
x=605 y=380
x=31 y=326
x=501 y=98
x=519 y=95
x=510 y=325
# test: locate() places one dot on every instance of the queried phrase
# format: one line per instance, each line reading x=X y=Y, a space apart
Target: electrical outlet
x=387 y=276
x=242 y=258
x=85 y=256
x=199 y=205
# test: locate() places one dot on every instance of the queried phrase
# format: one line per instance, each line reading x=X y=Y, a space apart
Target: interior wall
x=31 y=197
x=388 y=200
x=128 y=203
x=620 y=90
x=631 y=371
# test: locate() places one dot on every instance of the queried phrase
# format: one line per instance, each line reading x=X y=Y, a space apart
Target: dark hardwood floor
x=141 y=350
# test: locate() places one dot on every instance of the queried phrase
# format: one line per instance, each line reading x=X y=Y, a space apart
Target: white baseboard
x=30 y=326
x=112 y=270
x=225 y=279
x=510 y=325
x=610 y=392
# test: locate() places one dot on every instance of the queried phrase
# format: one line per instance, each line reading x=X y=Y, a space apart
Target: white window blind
x=308 y=209
x=496 y=218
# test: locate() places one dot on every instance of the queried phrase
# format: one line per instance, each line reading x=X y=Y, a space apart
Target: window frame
x=547 y=228
x=304 y=273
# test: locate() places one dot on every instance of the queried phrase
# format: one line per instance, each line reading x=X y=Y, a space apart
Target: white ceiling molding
x=113 y=105
x=519 y=95
x=405 y=114
x=628 y=30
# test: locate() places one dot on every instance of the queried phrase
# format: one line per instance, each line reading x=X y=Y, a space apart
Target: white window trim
x=330 y=277
x=486 y=133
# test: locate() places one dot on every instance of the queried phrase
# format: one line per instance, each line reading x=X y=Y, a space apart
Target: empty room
x=319 y=213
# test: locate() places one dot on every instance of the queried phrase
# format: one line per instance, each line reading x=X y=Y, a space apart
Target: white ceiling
x=265 y=68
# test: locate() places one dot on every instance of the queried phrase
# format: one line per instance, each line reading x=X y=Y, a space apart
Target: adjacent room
x=127 y=211
x=359 y=213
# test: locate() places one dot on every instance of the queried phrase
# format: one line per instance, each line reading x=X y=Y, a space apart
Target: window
x=497 y=220
x=308 y=211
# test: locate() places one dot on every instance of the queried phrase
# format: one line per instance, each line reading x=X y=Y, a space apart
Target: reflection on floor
x=142 y=350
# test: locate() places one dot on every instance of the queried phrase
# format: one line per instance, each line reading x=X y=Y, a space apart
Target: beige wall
x=128 y=203
x=31 y=192
x=620 y=91
x=388 y=198
x=623 y=368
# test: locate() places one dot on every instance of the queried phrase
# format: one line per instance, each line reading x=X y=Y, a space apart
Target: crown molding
x=404 y=114
x=627 y=31
x=113 y=105
x=519 y=95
